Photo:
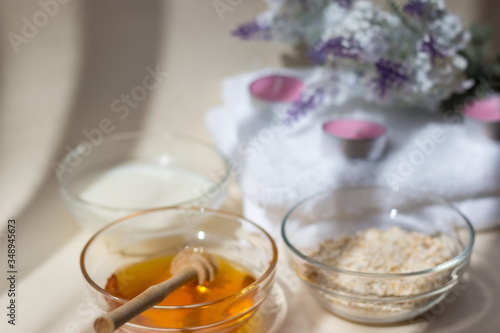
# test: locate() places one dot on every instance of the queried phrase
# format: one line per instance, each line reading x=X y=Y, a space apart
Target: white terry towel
x=278 y=164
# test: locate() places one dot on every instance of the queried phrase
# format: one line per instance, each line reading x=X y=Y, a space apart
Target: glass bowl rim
x=193 y=328
x=453 y=262
x=269 y=271
x=137 y=135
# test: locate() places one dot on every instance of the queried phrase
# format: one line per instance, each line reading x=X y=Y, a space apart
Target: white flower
x=449 y=33
x=355 y=36
x=296 y=20
x=365 y=23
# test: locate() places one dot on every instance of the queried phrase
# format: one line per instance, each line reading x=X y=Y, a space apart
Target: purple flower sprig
x=340 y=47
x=430 y=46
x=347 y=4
x=306 y=103
x=391 y=75
x=415 y=8
x=253 y=31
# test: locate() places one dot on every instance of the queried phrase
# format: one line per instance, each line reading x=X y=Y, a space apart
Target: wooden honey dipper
x=188 y=264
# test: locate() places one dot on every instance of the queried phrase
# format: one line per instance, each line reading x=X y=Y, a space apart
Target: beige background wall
x=65 y=77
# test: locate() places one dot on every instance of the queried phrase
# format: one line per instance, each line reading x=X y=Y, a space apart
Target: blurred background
x=67 y=65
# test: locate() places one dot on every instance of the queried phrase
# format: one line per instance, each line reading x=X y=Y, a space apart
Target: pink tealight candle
x=277 y=89
x=355 y=138
x=483 y=117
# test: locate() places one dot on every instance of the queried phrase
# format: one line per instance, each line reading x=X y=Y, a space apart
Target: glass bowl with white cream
x=132 y=171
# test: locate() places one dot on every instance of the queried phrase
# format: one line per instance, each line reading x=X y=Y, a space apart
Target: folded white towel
x=278 y=164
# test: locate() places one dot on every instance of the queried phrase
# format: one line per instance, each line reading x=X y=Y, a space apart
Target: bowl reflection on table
x=166 y=231
x=129 y=172
x=330 y=215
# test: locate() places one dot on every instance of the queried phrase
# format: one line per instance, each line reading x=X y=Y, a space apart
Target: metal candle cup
x=355 y=138
x=482 y=117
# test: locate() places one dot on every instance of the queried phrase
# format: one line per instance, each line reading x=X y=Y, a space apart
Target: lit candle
x=483 y=117
x=355 y=138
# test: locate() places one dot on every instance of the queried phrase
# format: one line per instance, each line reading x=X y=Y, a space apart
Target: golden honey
x=130 y=281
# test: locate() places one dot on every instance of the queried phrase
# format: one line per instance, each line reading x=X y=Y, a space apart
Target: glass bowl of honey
x=127 y=256
x=109 y=177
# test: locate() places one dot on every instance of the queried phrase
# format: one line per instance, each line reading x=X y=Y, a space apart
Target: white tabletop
x=52 y=296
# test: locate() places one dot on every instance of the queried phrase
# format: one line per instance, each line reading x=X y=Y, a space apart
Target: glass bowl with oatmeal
x=377 y=255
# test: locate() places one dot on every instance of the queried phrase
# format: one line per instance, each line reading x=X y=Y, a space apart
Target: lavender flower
x=338 y=47
x=347 y=4
x=415 y=8
x=306 y=103
x=408 y=54
x=390 y=75
x=253 y=31
x=430 y=46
